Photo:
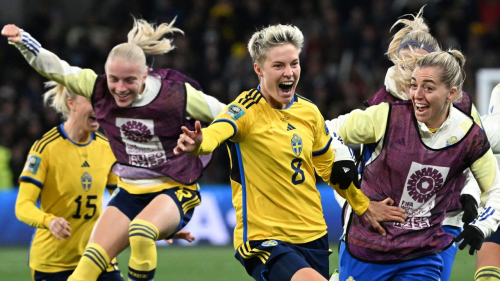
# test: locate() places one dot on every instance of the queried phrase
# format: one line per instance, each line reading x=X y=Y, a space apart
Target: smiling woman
x=427 y=143
x=277 y=140
x=67 y=170
x=141 y=111
x=435 y=84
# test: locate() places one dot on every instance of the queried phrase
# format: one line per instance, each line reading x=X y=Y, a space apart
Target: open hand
x=189 y=141
x=12 y=32
x=384 y=211
x=59 y=227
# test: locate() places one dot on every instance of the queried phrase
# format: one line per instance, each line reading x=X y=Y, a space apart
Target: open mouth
x=421 y=107
x=93 y=120
x=286 y=86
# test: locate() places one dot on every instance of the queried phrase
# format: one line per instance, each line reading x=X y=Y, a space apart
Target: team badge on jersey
x=86 y=180
x=451 y=141
x=235 y=112
x=296 y=145
x=33 y=164
x=270 y=243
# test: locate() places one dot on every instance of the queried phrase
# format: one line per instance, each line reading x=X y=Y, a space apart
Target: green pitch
x=196 y=263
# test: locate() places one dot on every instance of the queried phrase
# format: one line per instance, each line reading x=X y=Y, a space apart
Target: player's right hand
x=384 y=211
x=189 y=141
x=12 y=32
x=59 y=227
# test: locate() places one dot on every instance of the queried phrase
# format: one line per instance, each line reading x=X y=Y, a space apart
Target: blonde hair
x=57 y=96
x=267 y=38
x=144 y=39
x=413 y=36
x=451 y=63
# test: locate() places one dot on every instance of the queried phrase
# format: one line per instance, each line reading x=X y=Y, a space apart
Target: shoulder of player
x=249 y=99
x=302 y=101
x=48 y=140
x=101 y=138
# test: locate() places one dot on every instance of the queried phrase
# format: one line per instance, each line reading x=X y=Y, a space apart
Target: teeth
x=421 y=105
x=287 y=83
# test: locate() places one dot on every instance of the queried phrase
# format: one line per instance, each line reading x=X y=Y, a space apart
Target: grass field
x=196 y=263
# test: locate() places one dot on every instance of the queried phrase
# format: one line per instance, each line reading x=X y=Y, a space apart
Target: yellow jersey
x=69 y=179
x=274 y=156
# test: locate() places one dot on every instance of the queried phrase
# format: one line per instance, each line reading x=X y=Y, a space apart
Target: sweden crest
x=86 y=180
x=270 y=243
x=296 y=145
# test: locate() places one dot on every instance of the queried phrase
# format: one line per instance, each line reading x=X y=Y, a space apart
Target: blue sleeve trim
x=324 y=150
x=230 y=122
x=111 y=186
x=31 y=180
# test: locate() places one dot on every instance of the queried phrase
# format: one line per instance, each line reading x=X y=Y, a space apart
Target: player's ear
x=71 y=103
x=257 y=69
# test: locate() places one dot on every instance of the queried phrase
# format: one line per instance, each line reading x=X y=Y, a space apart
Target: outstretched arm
x=77 y=80
x=203 y=141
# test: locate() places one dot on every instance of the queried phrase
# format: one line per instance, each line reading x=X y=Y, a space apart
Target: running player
x=141 y=111
x=277 y=140
x=68 y=170
x=426 y=145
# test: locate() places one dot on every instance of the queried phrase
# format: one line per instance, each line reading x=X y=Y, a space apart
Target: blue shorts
x=448 y=255
x=132 y=204
x=495 y=237
x=64 y=275
x=272 y=260
x=424 y=268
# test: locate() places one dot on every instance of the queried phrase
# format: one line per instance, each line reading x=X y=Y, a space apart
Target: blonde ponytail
x=57 y=96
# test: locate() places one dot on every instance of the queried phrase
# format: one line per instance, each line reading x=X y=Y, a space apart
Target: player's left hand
x=472 y=236
x=182 y=234
x=469 y=205
x=383 y=211
x=344 y=173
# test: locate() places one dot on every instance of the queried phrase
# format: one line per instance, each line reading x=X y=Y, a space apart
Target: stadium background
x=343 y=63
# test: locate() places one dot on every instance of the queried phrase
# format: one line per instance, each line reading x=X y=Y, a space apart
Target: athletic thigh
x=171 y=210
x=111 y=231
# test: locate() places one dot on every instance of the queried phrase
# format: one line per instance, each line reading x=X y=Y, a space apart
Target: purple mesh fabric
x=418 y=179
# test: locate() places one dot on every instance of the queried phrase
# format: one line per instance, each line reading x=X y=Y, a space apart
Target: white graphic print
x=143 y=147
x=419 y=194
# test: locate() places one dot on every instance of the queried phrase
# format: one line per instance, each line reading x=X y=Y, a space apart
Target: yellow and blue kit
x=69 y=179
x=274 y=156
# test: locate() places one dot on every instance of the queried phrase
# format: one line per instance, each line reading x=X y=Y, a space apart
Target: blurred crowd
x=343 y=61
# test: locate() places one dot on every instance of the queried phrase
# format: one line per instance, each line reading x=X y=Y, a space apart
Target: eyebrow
x=425 y=80
x=283 y=62
x=128 y=77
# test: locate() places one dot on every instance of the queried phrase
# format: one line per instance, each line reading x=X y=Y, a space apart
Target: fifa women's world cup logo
x=136 y=131
x=143 y=147
x=419 y=194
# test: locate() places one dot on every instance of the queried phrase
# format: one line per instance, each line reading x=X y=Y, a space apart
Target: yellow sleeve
x=476 y=117
x=77 y=80
x=213 y=136
x=323 y=159
x=112 y=183
x=485 y=171
x=365 y=126
x=26 y=210
x=201 y=106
